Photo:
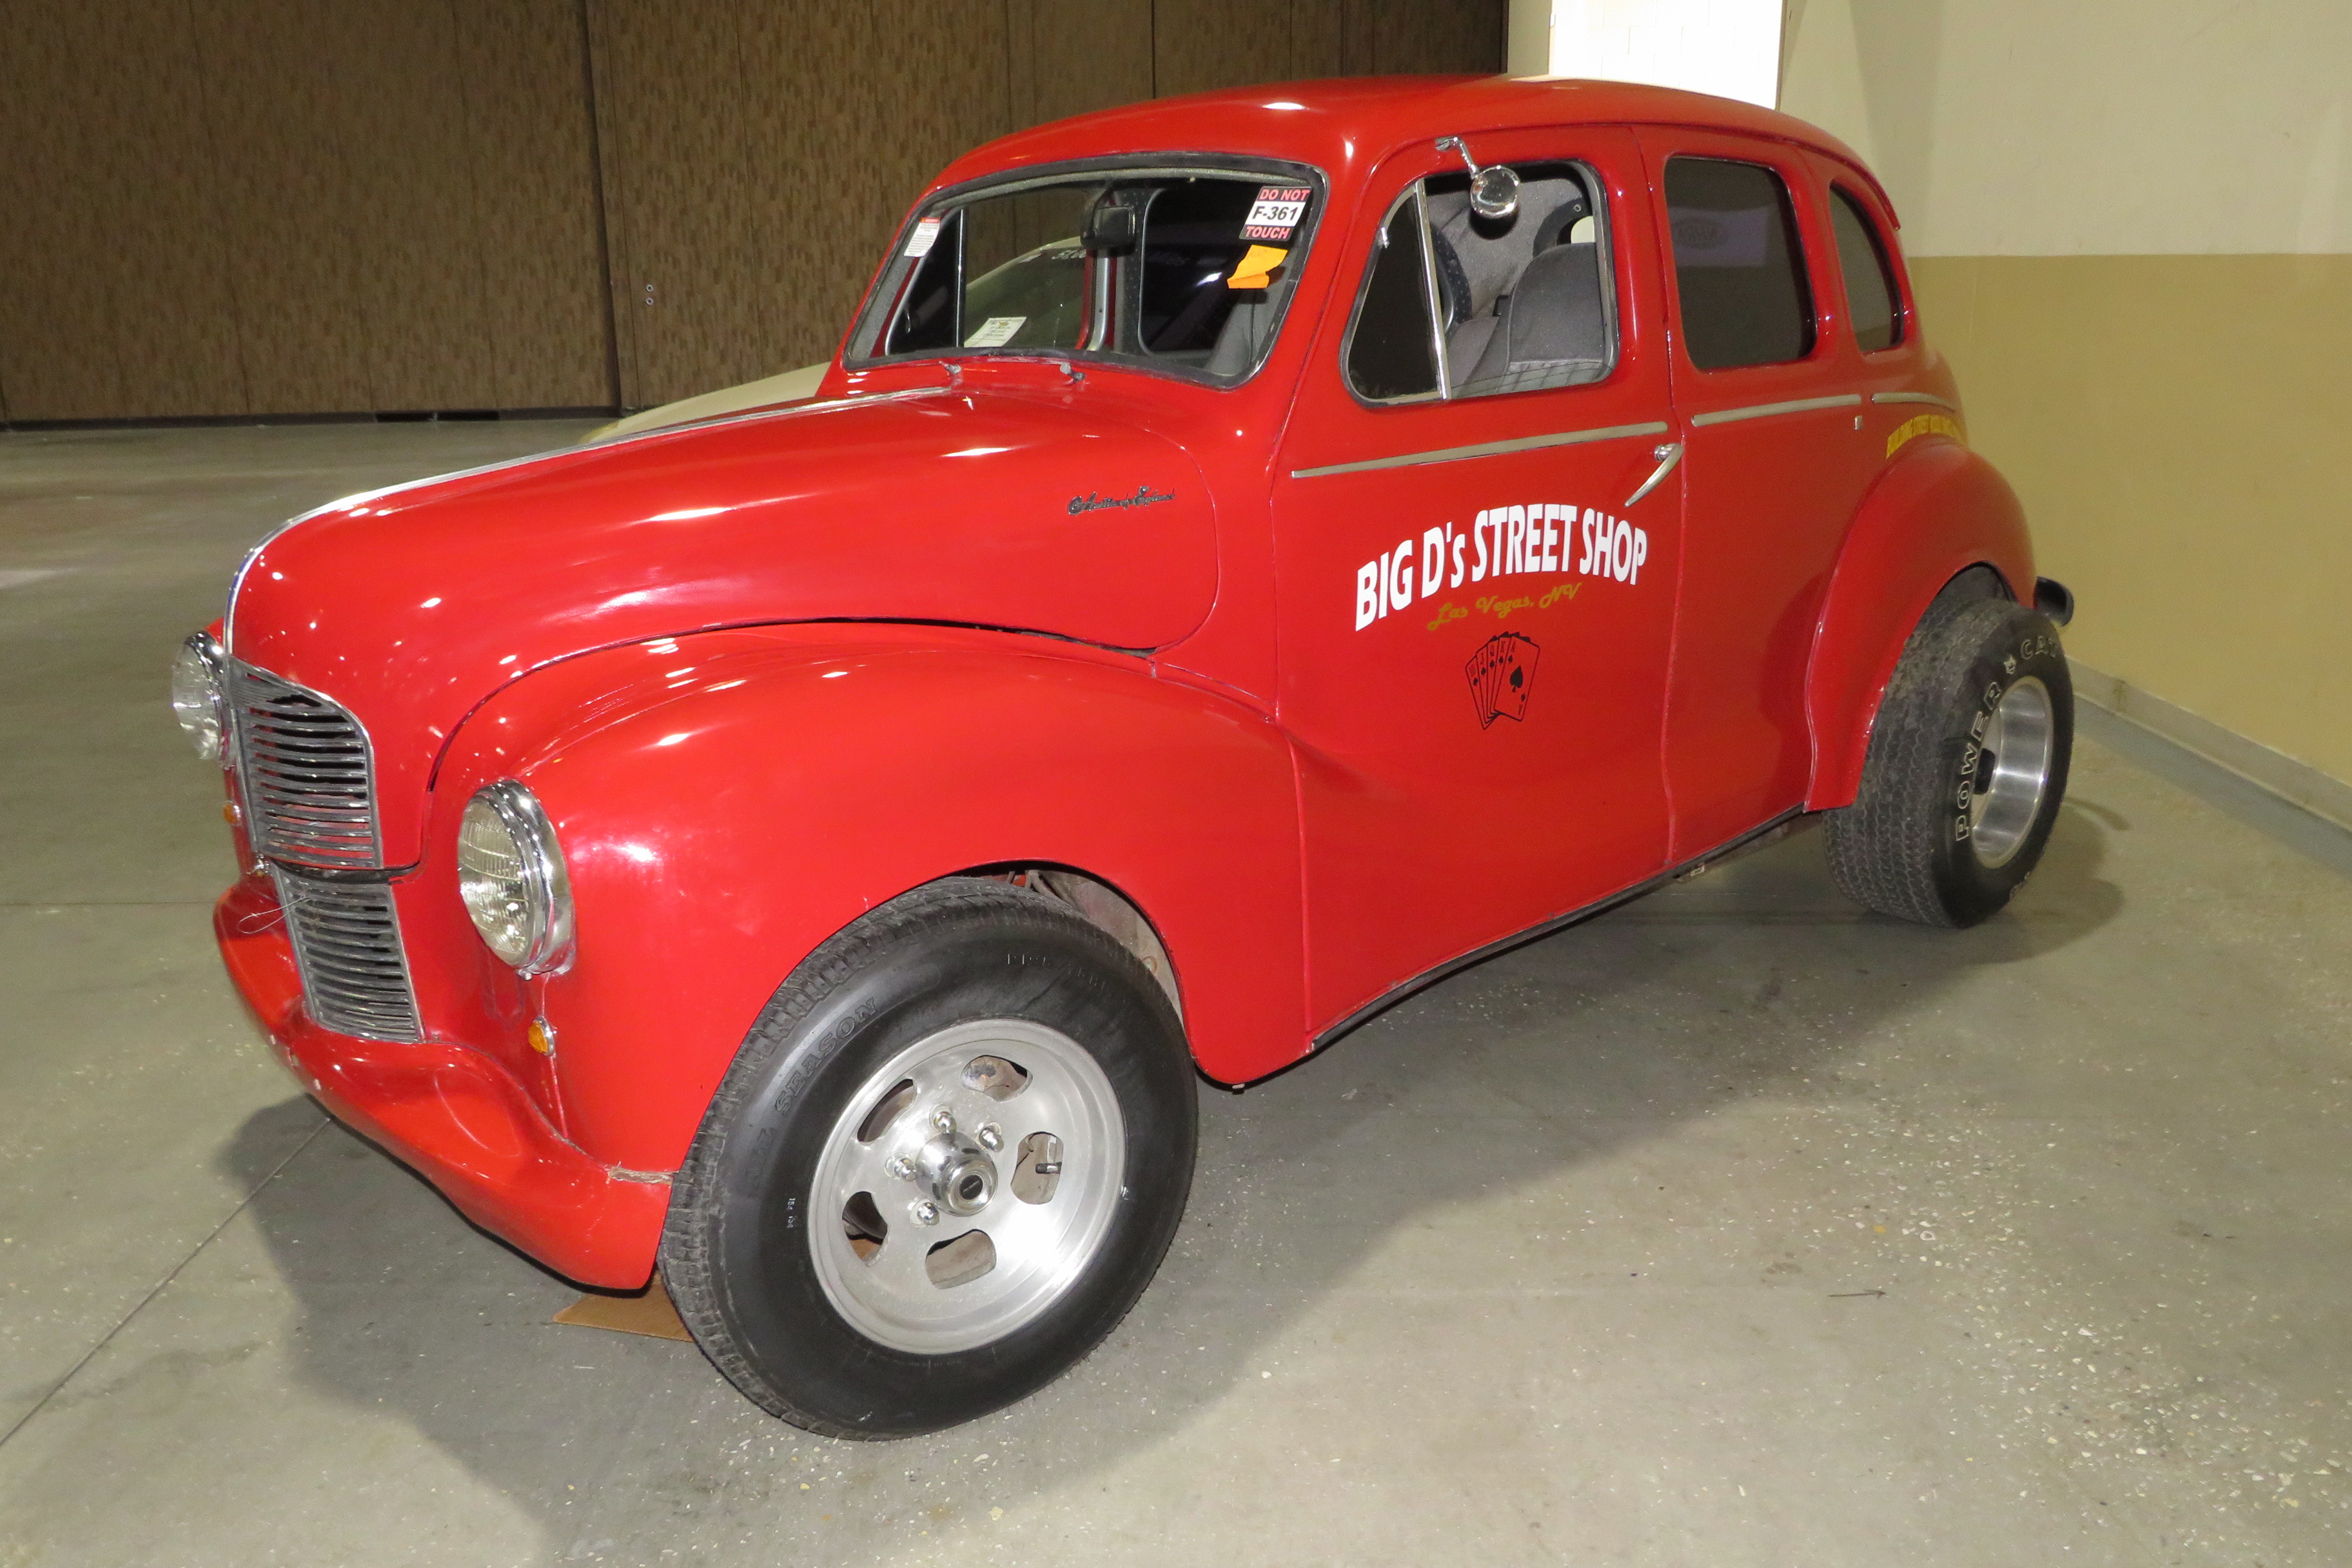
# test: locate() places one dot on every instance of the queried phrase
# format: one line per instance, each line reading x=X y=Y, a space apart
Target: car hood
x=1026 y=511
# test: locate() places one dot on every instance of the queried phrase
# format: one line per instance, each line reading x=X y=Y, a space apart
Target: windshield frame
x=862 y=351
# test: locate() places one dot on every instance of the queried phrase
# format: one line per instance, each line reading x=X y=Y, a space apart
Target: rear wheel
x=947 y=1160
x=1966 y=769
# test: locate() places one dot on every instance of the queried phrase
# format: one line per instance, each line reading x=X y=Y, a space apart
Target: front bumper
x=458 y=1118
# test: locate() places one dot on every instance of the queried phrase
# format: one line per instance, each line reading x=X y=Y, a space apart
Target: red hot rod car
x=811 y=852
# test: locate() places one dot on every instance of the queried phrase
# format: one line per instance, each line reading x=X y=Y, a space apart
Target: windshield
x=1179 y=269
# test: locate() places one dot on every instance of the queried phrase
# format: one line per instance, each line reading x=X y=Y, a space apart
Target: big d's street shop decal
x=1504 y=541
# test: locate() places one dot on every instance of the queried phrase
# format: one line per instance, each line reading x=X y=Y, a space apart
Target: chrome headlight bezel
x=200 y=694
x=523 y=912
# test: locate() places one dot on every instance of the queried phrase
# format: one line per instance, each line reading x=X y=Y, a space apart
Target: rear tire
x=949 y=1158
x=1966 y=769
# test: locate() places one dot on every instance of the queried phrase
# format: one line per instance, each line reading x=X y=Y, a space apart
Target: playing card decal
x=1502 y=676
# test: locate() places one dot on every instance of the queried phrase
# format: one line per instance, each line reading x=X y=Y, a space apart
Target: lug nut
x=925 y=1213
x=942 y=1119
x=992 y=1137
x=902 y=1167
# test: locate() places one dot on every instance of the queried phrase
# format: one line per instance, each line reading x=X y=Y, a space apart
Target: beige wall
x=2129 y=221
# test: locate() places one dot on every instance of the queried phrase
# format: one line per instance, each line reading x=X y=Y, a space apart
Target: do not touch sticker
x=1277 y=211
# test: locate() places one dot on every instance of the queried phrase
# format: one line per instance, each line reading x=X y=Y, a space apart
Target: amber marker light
x=543 y=1036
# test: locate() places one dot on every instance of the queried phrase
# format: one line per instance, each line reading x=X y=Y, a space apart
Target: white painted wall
x=1731 y=48
x=2090 y=127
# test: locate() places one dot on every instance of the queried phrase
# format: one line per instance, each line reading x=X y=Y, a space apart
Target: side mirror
x=1494 y=190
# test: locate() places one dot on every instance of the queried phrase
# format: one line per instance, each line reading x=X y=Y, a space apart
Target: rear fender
x=1936 y=510
x=726 y=802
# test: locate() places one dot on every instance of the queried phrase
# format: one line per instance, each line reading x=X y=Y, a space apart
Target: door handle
x=1668 y=454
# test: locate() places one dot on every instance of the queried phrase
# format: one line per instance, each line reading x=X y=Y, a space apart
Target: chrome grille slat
x=309 y=783
x=308 y=776
x=347 y=946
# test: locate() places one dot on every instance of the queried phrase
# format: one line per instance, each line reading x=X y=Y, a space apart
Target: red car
x=1253 y=554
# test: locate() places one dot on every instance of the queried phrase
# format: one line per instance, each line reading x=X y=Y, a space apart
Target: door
x=1769 y=410
x=1473 y=609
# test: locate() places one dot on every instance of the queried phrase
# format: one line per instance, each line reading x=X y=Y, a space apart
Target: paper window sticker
x=994 y=332
x=1276 y=212
x=1251 y=272
x=926 y=235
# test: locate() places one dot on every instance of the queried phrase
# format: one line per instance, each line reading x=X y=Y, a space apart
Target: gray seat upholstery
x=1554 y=329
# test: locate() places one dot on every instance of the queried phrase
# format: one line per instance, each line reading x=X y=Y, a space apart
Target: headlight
x=511 y=874
x=199 y=695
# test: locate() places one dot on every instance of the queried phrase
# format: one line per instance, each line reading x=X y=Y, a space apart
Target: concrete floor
x=1734 y=1228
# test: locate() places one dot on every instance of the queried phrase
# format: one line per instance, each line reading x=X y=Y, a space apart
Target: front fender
x=1936 y=510
x=728 y=801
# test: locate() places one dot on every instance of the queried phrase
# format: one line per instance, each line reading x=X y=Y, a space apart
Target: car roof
x=1348 y=125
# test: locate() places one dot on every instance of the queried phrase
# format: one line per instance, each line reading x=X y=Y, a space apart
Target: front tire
x=1966 y=769
x=946 y=1163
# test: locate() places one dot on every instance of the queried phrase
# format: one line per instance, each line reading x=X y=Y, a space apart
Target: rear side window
x=1738 y=267
x=1870 y=292
x=1390 y=352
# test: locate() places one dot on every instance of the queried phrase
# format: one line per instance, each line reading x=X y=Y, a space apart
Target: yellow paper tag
x=1251 y=272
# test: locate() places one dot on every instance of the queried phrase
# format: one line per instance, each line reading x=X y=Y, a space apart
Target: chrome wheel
x=967 y=1185
x=2011 y=772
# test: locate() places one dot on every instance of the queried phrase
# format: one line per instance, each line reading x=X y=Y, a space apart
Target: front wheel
x=1966 y=769
x=947 y=1160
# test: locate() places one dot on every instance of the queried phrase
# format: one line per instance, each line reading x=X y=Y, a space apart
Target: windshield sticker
x=927 y=234
x=994 y=332
x=1276 y=212
x=1256 y=268
x=1547 y=540
x=1503 y=677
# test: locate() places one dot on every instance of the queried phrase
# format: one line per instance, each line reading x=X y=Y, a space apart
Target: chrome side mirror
x=1494 y=190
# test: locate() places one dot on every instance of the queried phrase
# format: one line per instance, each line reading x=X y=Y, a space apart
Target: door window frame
x=1415 y=192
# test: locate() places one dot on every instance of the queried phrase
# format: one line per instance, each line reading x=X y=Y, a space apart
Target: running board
x=1795 y=819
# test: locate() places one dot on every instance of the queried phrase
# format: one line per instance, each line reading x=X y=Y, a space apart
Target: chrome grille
x=309 y=783
x=347 y=943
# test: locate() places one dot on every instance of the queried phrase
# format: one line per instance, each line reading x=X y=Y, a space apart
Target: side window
x=1738 y=267
x=1870 y=292
x=1520 y=303
x=1524 y=301
x=1390 y=356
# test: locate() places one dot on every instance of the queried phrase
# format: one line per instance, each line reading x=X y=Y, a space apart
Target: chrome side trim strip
x=1486 y=450
x=1766 y=410
x=1927 y=397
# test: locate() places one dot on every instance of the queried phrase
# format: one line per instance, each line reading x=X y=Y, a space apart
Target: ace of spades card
x=1502 y=674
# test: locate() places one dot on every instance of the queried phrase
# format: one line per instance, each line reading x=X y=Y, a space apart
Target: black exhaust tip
x=2053 y=599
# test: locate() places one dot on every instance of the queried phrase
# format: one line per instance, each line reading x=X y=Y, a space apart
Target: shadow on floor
x=1757 y=982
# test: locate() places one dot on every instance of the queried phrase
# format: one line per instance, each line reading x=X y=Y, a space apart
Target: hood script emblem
x=1144 y=496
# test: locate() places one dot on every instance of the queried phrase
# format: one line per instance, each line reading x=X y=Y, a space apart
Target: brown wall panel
x=756 y=157
x=1414 y=36
x=344 y=205
x=116 y=296
x=525 y=68
x=57 y=320
x=671 y=99
x=289 y=200
x=419 y=253
x=1073 y=56
x=1201 y=44
x=854 y=111
x=175 y=336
